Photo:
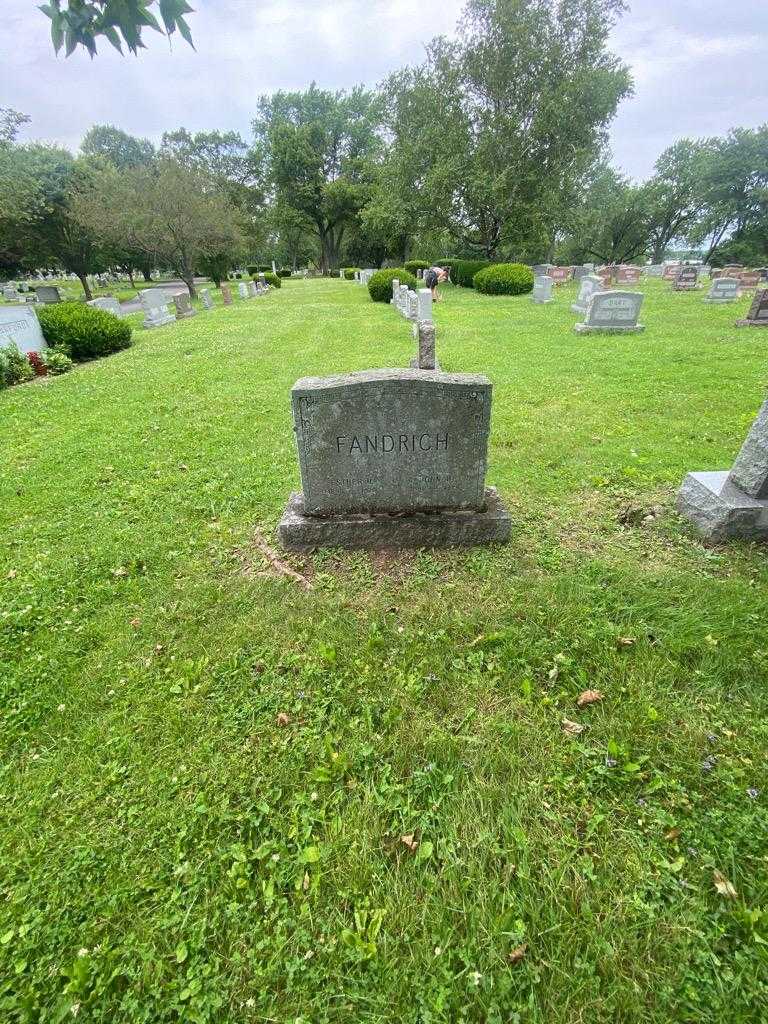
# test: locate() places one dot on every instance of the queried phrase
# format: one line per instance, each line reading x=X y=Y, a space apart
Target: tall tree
x=170 y=212
x=10 y=123
x=675 y=193
x=81 y=22
x=122 y=150
x=502 y=124
x=612 y=223
x=319 y=149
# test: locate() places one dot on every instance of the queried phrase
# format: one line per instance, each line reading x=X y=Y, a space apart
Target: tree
x=122 y=150
x=500 y=126
x=319 y=149
x=10 y=123
x=169 y=212
x=675 y=194
x=612 y=223
x=81 y=22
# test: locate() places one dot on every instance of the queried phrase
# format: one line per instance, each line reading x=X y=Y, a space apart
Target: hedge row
x=463 y=271
x=84 y=332
x=380 y=284
x=504 y=279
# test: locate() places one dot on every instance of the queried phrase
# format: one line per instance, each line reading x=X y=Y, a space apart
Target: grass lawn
x=208 y=772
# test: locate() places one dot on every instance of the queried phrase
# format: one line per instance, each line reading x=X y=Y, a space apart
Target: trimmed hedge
x=272 y=279
x=380 y=284
x=84 y=332
x=283 y=273
x=504 y=279
x=413 y=265
x=349 y=273
x=463 y=271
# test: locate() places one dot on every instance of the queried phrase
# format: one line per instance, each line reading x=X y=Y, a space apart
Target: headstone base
x=752 y=323
x=297 y=532
x=586 y=329
x=159 y=321
x=576 y=308
x=186 y=315
x=414 y=365
x=722 y=302
x=720 y=510
x=541 y=302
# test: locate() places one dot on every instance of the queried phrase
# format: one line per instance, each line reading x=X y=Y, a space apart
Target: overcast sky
x=700 y=66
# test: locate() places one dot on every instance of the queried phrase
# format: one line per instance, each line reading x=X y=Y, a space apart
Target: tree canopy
x=121 y=22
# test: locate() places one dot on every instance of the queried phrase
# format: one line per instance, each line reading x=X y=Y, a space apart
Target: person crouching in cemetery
x=433 y=277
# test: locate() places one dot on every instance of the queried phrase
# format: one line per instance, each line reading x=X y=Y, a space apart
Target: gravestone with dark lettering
x=560 y=275
x=723 y=289
x=392 y=459
x=542 y=290
x=226 y=295
x=687 y=279
x=184 y=308
x=590 y=285
x=612 y=312
x=154 y=304
x=725 y=505
x=108 y=304
x=627 y=275
x=758 y=311
x=19 y=326
x=749 y=279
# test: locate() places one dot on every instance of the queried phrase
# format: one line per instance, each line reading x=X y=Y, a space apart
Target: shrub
x=463 y=271
x=283 y=273
x=349 y=273
x=413 y=265
x=380 y=284
x=37 y=363
x=15 y=368
x=504 y=279
x=57 y=361
x=272 y=279
x=84 y=332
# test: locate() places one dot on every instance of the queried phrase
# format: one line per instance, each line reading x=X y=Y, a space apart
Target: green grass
x=170 y=852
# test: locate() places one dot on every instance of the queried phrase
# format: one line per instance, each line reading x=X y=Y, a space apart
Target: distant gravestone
x=205 y=298
x=724 y=505
x=341 y=275
x=10 y=294
x=425 y=305
x=252 y=289
x=749 y=279
x=392 y=458
x=653 y=270
x=542 y=289
x=560 y=275
x=19 y=326
x=154 y=303
x=687 y=279
x=579 y=272
x=758 y=311
x=612 y=312
x=48 y=294
x=424 y=333
x=541 y=269
x=242 y=291
x=226 y=295
x=108 y=305
x=606 y=275
x=627 y=275
x=723 y=289
x=670 y=271
x=412 y=311
x=395 y=291
x=183 y=306
x=403 y=303
x=274 y=267
x=589 y=286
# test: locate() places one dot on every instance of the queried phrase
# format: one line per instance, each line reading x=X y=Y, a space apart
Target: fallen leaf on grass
x=305 y=881
x=571 y=728
x=12 y=574
x=674 y=833
x=626 y=641
x=283 y=719
x=410 y=841
x=518 y=953
x=723 y=886
x=588 y=697
x=135 y=623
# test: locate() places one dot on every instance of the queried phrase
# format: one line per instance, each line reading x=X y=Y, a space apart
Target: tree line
x=494 y=147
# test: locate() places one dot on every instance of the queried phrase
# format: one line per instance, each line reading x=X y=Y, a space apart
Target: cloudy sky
x=700 y=66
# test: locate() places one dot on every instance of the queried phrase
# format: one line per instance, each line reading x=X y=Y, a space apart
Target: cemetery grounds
x=358 y=787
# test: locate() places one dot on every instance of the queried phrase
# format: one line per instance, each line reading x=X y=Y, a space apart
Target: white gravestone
x=542 y=289
x=590 y=285
x=395 y=291
x=252 y=289
x=341 y=275
x=154 y=303
x=412 y=312
x=242 y=290
x=425 y=305
x=205 y=298
x=612 y=312
x=723 y=289
x=108 y=305
x=10 y=294
x=19 y=326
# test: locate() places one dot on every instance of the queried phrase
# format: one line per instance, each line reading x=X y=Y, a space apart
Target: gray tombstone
x=425 y=305
x=590 y=285
x=183 y=306
x=725 y=505
x=395 y=291
x=48 y=294
x=242 y=290
x=19 y=326
x=205 y=298
x=723 y=289
x=226 y=295
x=403 y=300
x=579 y=272
x=424 y=332
x=392 y=458
x=10 y=294
x=686 y=280
x=412 y=309
x=612 y=312
x=654 y=270
x=542 y=289
x=109 y=305
x=154 y=304
x=252 y=291
x=758 y=311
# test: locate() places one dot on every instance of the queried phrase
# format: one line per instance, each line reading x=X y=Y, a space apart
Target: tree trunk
x=189 y=280
x=83 y=279
x=146 y=273
x=130 y=277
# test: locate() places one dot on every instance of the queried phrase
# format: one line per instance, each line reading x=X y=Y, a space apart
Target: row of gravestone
x=154 y=301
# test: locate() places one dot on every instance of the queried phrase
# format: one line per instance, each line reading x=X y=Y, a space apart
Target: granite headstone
x=19 y=326
x=612 y=312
